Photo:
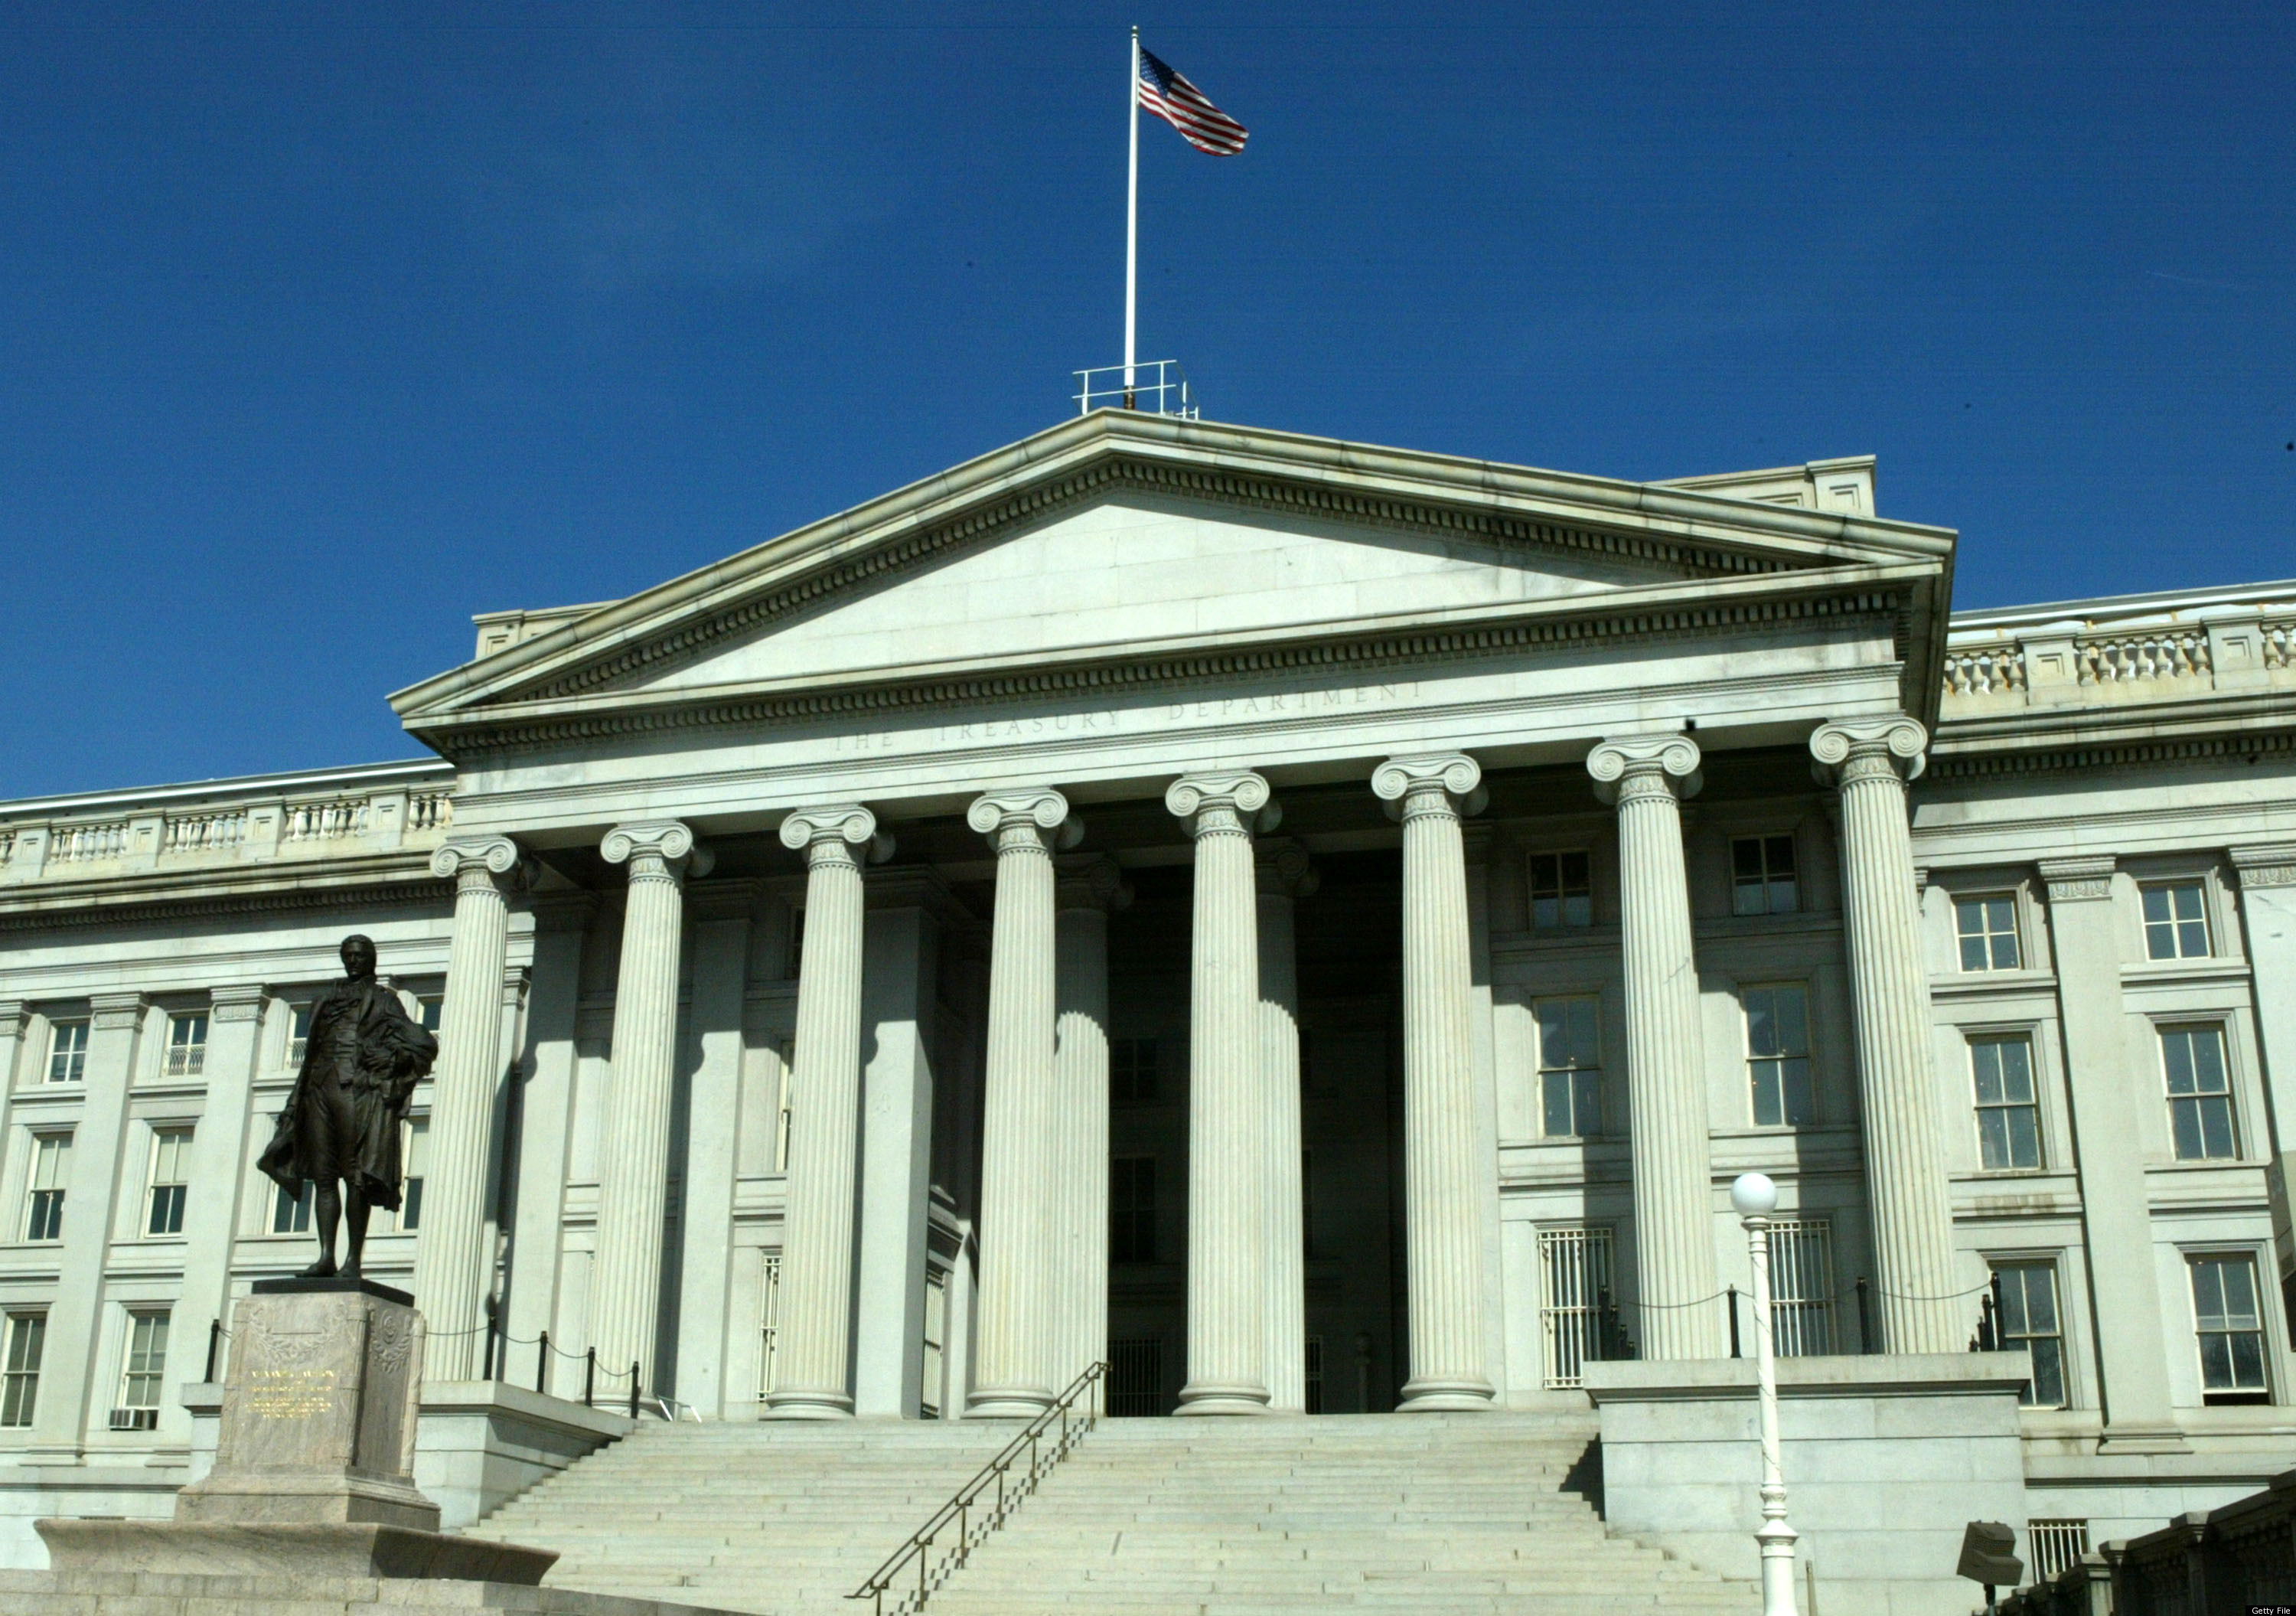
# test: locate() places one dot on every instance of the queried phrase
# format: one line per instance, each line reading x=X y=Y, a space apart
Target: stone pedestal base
x=81 y=1551
x=162 y=1594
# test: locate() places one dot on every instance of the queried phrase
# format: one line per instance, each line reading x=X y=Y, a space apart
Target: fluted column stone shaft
x=1284 y=876
x=1020 y=1326
x=633 y=1157
x=813 y=1367
x=1647 y=777
x=452 y=1261
x=1227 y=1109
x=1087 y=890
x=1444 y=1233
x=1906 y=1179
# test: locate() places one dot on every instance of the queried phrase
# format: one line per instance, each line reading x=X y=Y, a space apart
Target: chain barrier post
x=542 y=1363
x=589 y=1376
x=215 y=1339
x=1864 y=1316
x=634 y=1391
x=1733 y=1321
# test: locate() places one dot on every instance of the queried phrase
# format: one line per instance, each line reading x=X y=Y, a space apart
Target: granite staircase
x=1442 y=1516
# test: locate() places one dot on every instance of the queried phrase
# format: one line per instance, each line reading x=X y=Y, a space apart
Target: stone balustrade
x=330 y=816
x=2027 y=661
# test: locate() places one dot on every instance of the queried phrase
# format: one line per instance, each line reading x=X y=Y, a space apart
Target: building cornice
x=393 y=880
x=358 y=777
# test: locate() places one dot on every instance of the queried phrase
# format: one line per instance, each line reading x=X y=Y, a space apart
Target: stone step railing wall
x=2238 y=1557
x=333 y=824
x=2077 y=662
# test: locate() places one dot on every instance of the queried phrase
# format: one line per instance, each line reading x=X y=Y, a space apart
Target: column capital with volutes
x=1236 y=800
x=494 y=860
x=658 y=848
x=1626 y=766
x=1850 y=749
x=1284 y=869
x=1025 y=817
x=1437 y=783
x=1090 y=881
x=832 y=830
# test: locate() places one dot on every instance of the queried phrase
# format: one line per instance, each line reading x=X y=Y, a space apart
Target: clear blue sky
x=321 y=334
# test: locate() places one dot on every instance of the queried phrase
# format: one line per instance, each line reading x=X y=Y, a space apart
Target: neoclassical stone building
x=1317 y=925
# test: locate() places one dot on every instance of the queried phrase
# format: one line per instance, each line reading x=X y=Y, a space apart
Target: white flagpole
x=1131 y=215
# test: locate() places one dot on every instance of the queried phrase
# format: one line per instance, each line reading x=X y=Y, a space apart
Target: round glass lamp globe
x=1754 y=1195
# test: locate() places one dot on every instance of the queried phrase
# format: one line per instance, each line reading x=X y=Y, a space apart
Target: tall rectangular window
x=187 y=1044
x=931 y=1373
x=2057 y=1546
x=1777 y=1054
x=784 y=1109
x=1802 y=1286
x=67 y=1051
x=1562 y=891
x=1314 y=1402
x=20 y=1383
x=1135 y=1377
x=171 y=1180
x=50 y=1172
x=1132 y=1070
x=429 y=1007
x=1570 y=1067
x=414 y=1166
x=1762 y=876
x=2231 y=1328
x=769 y=1322
x=2175 y=920
x=1987 y=926
x=2008 y=1115
x=290 y=1209
x=1132 y=1209
x=1574 y=1267
x=299 y=1036
x=145 y=1367
x=2200 y=1093
x=2029 y=1319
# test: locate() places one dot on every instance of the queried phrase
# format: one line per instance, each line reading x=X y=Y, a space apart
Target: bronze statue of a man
x=361 y=1061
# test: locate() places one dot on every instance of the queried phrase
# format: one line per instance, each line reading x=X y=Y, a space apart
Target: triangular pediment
x=1120 y=534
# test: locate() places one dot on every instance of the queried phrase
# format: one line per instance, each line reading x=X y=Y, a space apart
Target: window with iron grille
x=784 y=1114
x=2029 y=1319
x=1315 y=1404
x=1135 y=1377
x=67 y=1051
x=1574 y=1266
x=414 y=1166
x=769 y=1322
x=1132 y=1070
x=2231 y=1328
x=51 y=1171
x=299 y=1036
x=2008 y=1113
x=171 y=1180
x=20 y=1383
x=1132 y=1209
x=2200 y=1093
x=931 y=1377
x=2057 y=1546
x=1570 y=1067
x=1562 y=891
x=1777 y=1054
x=1987 y=925
x=290 y=1209
x=1802 y=1287
x=2175 y=920
x=1762 y=876
x=143 y=1370
x=187 y=1044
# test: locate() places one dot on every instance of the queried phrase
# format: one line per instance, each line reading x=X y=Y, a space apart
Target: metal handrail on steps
x=1090 y=1390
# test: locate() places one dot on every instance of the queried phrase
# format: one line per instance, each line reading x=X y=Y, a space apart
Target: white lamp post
x=1755 y=1197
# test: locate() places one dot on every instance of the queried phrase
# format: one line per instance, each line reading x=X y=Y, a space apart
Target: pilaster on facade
x=1228 y=1110
x=813 y=1378
x=1869 y=760
x=2266 y=875
x=633 y=1165
x=1647 y=777
x=219 y=1150
x=1088 y=887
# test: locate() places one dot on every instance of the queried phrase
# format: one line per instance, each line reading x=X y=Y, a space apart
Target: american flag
x=1172 y=98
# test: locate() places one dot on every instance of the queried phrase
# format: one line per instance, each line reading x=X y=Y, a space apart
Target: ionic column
x=1088 y=887
x=1897 y=1073
x=1017 y=1328
x=813 y=1372
x=633 y=1145
x=1441 y=1172
x=1284 y=875
x=452 y=1256
x=1228 y=1110
x=1648 y=777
